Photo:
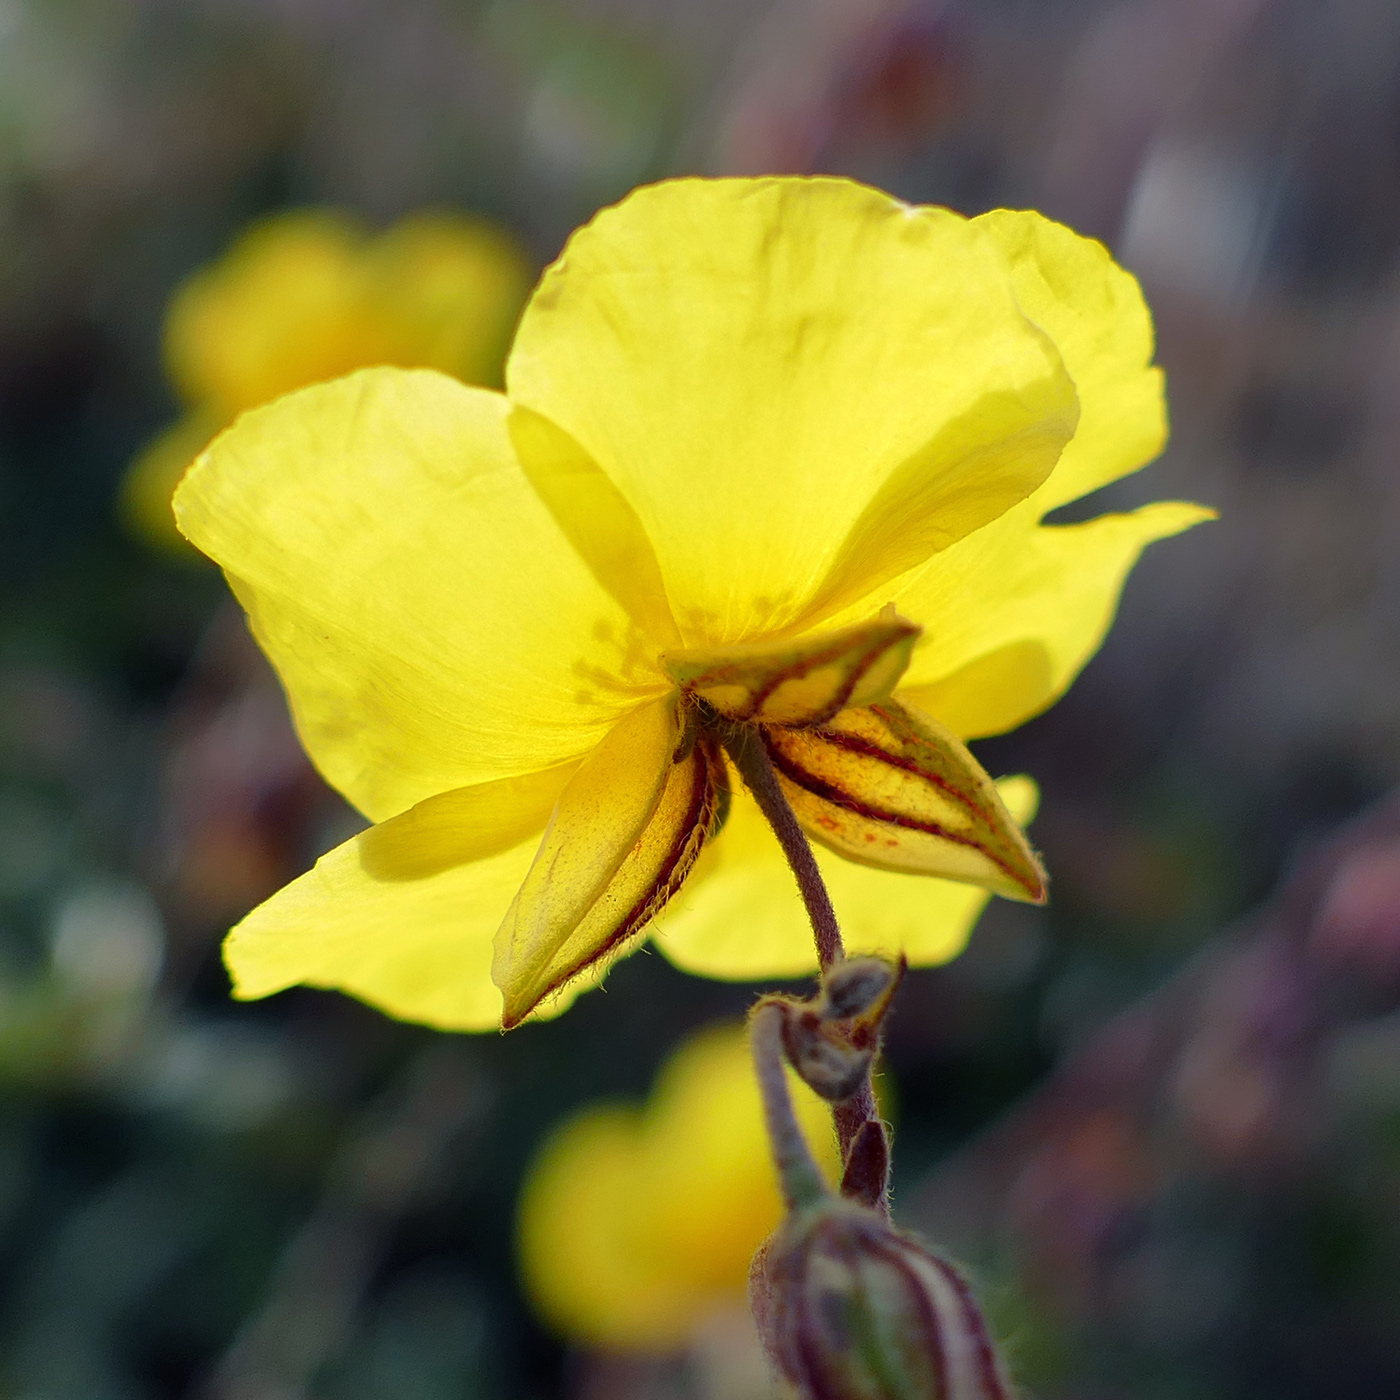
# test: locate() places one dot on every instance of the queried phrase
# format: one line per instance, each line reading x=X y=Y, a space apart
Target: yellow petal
x=1012 y=614
x=430 y=623
x=468 y=824
x=1094 y=312
x=635 y=1226
x=403 y=914
x=624 y=835
x=801 y=682
x=597 y=521
x=890 y=787
x=739 y=916
x=756 y=364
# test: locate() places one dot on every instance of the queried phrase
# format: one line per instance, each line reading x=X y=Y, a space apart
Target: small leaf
x=611 y=858
x=801 y=682
x=889 y=787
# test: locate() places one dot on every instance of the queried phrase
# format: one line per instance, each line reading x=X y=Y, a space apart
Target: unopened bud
x=829 y=1064
x=857 y=985
x=851 y=1309
x=831 y=1040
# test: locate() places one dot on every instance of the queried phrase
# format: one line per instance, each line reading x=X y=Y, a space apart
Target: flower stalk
x=744 y=745
x=847 y=1307
x=798 y=1174
x=853 y=1112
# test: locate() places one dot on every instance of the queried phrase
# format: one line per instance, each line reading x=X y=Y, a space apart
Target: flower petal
x=624 y=835
x=597 y=521
x=740 y=917
x=754 y=363
x=889 y=787
x=1094 y=312
x=1012 y=614
x=310 y=294
x=448 y=290
x=430 y=623
x=402 y=915
x=800 y=682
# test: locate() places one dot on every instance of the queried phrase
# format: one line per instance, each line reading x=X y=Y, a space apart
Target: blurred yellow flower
x=637 y=1225
x=750 y=428
x=310 y=295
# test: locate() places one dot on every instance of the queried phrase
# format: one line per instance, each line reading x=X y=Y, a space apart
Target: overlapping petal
x=769 y=369
x=1094 y=312
x=1019 y=609
x=430 y=623
x=1012 y=613
x=740 y=917
x=403 y=914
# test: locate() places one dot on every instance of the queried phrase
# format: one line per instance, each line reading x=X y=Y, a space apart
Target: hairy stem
x=745 y=748
x=798 y=1172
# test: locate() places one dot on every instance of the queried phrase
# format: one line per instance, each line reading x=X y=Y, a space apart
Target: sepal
x=801 y=682
x=890 y=787
x=624 y=835
x=831 y=1040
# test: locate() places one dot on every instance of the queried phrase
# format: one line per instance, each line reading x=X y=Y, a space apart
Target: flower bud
x=855 y=986
x=831 y=1040
x=850 y=1309
x=824 y=1058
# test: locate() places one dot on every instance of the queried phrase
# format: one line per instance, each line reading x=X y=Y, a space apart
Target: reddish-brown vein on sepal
x=860 y=669
x=703 y=810
x=756 y=672
x=867 y=748
x=1027 y=877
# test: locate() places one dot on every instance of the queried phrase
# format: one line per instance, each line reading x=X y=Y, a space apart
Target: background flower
x=311 y=294
x=636 y=1225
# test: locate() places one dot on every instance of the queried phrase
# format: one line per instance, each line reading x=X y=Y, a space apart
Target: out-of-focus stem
x=798 y=1173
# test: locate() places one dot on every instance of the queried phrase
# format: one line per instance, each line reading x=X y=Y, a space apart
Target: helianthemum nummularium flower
x=767 y=479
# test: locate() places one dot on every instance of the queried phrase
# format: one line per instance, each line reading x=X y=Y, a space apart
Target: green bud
x=850 y=1309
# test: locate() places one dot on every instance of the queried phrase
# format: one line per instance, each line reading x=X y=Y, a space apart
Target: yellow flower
x=769 y=449
x=637 y=1225
x=310 y=295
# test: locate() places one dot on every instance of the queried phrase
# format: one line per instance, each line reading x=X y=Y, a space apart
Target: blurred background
x=1159 y=1120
